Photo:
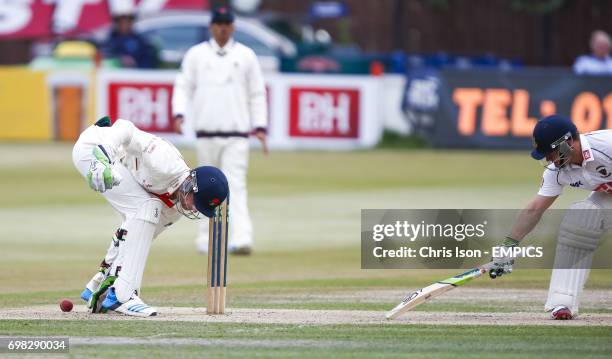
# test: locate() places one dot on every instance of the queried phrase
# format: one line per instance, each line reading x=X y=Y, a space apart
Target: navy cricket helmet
x=222 y=15
x=549 y=132
x=210 y=189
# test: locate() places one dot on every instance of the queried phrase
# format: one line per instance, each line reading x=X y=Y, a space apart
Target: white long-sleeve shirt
x=155 y=163
x=224 y=86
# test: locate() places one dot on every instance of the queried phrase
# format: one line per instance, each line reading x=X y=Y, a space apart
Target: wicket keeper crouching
x=579 y=160
x=146 y=180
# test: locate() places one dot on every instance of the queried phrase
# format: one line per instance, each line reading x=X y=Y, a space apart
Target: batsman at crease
x=582 y=161
x=146 y=180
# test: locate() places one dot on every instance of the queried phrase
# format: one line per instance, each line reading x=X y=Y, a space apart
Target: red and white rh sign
x=324 y=112
x=147 y=105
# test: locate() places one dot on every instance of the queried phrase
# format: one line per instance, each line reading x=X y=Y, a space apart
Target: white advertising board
x=332 y=112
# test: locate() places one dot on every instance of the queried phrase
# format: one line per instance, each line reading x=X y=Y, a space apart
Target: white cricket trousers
x=231 y=155
x=143 y=217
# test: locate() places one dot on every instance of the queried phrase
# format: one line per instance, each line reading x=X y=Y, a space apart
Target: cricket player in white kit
x=222 y=82
x=146 y=180
x=583 y=161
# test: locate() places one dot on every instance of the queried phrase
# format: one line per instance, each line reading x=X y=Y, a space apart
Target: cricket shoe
x=134 y=306
x=244 y=250
x=561 y=313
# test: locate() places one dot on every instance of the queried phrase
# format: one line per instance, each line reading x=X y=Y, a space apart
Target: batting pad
x=134 y=250
x=579 y=235
x=113 y=250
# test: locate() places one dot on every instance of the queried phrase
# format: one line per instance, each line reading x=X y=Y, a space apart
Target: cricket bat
x=425 y=294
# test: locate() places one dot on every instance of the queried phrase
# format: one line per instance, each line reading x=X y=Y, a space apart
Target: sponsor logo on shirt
x=586 y=154
x=146 y=185
x=576 y=184
x=150 y=148
x=603 y=172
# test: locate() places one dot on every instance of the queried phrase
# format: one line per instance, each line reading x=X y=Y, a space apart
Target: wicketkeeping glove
x=101 y=176
x=502 y=265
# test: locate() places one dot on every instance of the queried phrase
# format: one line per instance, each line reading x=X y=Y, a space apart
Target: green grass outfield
x=418 y=341
x=306 y=211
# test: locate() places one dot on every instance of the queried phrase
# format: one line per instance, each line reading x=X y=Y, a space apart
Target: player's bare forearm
x=527 y=219
x=530 y=216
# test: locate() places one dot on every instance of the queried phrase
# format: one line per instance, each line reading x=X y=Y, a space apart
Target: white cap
x=246 y=6
x=122 y=8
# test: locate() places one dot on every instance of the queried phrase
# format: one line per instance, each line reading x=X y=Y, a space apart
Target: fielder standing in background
x=582 y=161
x=222 y=83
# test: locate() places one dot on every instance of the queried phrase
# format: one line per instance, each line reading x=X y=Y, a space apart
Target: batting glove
x=502 y=265
x=101 y=176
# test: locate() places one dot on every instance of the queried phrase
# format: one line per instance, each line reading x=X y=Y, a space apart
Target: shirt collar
x=218 y=49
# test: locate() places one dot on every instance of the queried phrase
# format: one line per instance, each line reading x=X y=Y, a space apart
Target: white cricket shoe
x=134 y=307
x=561 y=313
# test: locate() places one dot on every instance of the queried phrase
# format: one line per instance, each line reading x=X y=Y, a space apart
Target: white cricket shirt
x=155 y=163
x=224 y=87
x=595 y=173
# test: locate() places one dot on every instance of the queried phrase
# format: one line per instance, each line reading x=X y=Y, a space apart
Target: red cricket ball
x=65 y=305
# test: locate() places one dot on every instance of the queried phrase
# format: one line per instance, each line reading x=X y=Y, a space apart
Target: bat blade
x=425 y=294
x=418 y=297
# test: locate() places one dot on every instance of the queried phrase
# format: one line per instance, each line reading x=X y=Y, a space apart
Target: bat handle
x=486 y=267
